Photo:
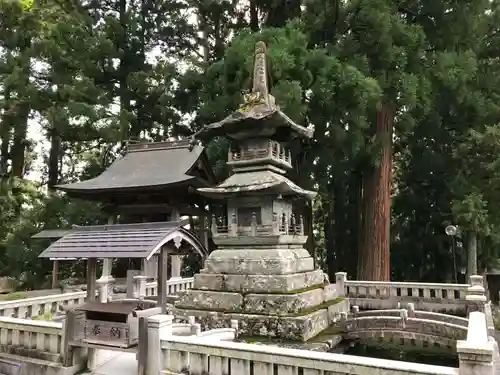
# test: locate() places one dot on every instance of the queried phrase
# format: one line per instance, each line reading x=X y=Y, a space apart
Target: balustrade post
x=411 y=309
x=294 y=225
x=234 y=225
x=175 y=266
x=276 y=225
x=254 y=224
x=340 y=279
x=214 y=225
x=301 y=223
x=476 y=354
x=140 y=286
x=476 y=294
x=159 y=328
x=234 y=325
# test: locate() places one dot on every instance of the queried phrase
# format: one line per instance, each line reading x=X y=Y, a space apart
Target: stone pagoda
x=260 y=274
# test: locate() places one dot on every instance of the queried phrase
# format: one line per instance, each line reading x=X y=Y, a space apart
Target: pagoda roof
x=147 y=166
x=260 y=181
x=259 y=115
x=258 y=121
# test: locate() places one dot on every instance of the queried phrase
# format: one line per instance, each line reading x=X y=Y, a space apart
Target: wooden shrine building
x=145 y=193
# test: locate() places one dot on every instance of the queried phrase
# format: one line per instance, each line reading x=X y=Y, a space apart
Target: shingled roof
x=152 y=165
x=120 y=241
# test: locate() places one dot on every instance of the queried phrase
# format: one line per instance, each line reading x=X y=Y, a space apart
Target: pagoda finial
x=260 y=71
x=260 y=91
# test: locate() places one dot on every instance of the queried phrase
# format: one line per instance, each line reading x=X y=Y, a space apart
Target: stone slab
x=259 y=261
x=258 y=283
x=282 y=303
x=300 y=328
x=202 y=299
x=226 y=240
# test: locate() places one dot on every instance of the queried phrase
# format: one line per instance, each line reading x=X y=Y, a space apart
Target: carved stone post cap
x=160 y=320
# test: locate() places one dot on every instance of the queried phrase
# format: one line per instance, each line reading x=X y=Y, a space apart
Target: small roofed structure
x=141 y=240
x=153 y=182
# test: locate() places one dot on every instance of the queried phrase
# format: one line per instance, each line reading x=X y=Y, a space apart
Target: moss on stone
x=287 y=293
x=304 y=312
x=13 y=296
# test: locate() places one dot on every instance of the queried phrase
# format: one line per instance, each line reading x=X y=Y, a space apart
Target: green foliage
x=93 y=75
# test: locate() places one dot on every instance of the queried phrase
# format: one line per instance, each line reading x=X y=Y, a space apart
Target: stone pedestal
x=271 y=291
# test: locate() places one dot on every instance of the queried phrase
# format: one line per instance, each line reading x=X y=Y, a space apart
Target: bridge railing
x=450 y=298
x=412 y=313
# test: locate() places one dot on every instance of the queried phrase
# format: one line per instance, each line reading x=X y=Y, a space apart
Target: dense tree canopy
x=404 y=97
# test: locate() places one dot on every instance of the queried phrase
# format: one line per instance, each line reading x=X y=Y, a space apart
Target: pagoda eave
x=240 y=125
x=261 y=189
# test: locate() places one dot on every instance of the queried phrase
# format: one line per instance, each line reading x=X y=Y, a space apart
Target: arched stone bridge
x=406 y=325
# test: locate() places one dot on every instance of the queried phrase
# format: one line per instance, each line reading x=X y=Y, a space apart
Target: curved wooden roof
x=121 y=241
x=149 y=165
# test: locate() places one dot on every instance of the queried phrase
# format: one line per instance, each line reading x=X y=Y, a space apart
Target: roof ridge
x=157 y=146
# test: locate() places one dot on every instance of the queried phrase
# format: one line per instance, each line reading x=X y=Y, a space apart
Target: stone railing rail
x=380 y=289
x=198 y=356
x=376 y=295
x=31 y=338
x=31 y=307
x=425 y=315
x=417 y=325
x=173 y=286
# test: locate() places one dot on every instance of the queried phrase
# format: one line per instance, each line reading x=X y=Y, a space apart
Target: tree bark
x=53 y=162
x=373 y=262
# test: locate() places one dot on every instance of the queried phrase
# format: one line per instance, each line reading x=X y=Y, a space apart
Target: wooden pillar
x=55 y=274
x=91 y=279
x=162 y=279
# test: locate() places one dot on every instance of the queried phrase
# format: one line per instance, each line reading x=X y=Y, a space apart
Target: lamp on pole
x=451 y=231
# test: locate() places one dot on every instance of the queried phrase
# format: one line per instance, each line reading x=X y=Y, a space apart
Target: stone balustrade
x=31 y=307
x=426 y=315
x=174 y=286
x=31 y=338
x=197 y=356
x=376 y=295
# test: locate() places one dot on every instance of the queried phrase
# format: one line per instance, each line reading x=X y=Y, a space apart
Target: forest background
x=403 y=94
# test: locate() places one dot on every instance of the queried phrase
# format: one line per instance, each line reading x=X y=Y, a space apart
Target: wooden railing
x=31 y=307
x=197 y=356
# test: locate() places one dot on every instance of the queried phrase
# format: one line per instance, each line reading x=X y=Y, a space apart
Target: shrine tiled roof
x=145 y=165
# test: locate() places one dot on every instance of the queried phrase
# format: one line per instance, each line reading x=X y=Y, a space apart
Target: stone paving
x=114 y=363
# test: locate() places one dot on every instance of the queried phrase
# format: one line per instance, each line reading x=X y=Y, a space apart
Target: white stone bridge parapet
x=419 y=328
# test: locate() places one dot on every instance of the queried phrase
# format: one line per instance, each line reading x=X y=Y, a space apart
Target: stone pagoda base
x=293 y=307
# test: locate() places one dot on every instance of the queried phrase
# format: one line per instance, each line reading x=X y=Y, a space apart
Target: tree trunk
x=53 y=162
x=5 y=135
x=19 y=142
x=373 y=262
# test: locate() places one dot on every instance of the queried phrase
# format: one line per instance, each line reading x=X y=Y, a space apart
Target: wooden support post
x=91 y=279
x=162 y=279
x=55 y=274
